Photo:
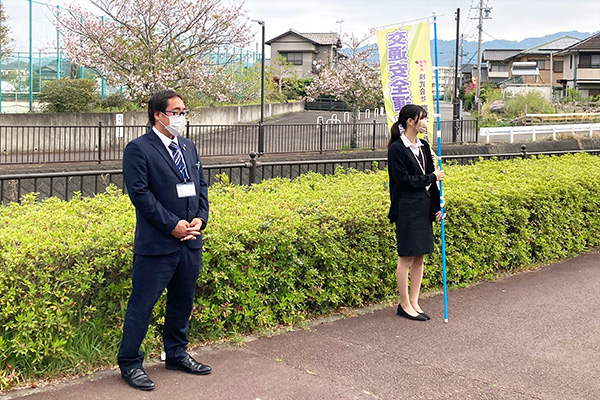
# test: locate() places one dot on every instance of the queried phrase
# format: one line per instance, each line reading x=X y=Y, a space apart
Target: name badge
x=187 y=189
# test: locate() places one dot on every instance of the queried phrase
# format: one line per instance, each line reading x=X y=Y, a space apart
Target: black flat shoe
x=189 y=365
x=404 y=314
x=137 y=379
x=425 y=315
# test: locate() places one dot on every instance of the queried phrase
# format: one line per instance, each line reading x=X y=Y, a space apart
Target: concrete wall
x=204 y=116
x=241 y=114
x=68 y=132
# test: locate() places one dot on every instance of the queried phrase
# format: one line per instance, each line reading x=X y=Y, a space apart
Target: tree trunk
x=354 y=134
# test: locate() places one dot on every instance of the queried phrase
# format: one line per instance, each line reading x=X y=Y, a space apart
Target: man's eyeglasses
x=183 y=113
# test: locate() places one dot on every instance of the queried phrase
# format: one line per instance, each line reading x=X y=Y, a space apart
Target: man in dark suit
x=165 y=181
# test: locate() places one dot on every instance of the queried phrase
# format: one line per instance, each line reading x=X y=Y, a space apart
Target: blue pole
x=81 y=69
x=18 y=75
x=0 y=75
x=103 y=85
x=439 y=154
x=57 y=45
x=30 y=56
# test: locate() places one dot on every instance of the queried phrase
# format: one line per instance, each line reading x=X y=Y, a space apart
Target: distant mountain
x=446 y=48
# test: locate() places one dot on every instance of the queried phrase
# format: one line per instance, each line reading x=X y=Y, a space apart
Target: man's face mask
x=176 y=124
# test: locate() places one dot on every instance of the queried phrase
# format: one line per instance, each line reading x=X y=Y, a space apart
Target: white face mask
x=176 y=124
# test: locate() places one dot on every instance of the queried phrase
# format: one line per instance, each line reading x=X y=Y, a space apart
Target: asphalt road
x=534 y=335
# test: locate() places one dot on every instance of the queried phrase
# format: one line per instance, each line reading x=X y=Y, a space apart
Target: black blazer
x=407 y=181
x=151 y=177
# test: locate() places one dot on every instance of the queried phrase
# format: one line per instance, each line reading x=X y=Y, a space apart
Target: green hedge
x=277 y=253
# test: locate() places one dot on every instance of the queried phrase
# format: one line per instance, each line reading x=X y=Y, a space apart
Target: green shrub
x=295 y=88
x=117 y=102
x=531 y=102
x=276 y=253
x=69 y=95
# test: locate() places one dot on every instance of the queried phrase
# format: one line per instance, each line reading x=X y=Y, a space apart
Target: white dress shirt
x=166 y=141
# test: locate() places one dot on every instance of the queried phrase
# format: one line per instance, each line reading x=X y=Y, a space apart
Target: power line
x=489 y=35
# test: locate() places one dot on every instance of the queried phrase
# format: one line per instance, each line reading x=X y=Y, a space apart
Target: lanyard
x=419 y=161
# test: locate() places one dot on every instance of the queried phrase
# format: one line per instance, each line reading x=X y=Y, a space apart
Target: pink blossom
x=145 y=46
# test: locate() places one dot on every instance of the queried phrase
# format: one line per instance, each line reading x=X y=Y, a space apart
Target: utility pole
x=480 y=28
x=340 y=22
x=462 y=53
x=551 y=82
x=455 y=102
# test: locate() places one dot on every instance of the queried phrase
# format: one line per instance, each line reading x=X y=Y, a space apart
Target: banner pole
x=439 y=154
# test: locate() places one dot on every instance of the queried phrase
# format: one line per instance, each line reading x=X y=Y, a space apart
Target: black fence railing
x=58 y=184
x=460 y=131
x=63 y=184
x=324 y=104
x=65 y=144
x=88 y=183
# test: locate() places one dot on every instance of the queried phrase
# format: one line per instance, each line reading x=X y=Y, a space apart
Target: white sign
x=119 y=124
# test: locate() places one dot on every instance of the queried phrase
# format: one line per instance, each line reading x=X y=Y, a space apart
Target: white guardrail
x=534 y=130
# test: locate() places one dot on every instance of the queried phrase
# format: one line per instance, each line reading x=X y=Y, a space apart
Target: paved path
x=535 y=335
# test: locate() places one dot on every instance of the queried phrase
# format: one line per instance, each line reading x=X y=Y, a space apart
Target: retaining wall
x=204 y=116
x=55 y=132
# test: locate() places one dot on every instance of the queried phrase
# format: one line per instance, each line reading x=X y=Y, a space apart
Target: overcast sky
x=509 y=19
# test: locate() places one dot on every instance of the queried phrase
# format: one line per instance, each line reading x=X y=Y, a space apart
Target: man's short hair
x=159 y=102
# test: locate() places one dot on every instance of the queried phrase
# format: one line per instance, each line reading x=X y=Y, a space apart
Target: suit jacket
x=151 y=177
x=408 y=183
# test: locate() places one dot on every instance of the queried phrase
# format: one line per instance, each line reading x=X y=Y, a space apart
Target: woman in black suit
x=415 y=204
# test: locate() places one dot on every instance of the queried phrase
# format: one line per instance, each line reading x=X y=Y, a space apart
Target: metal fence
x=60 y=144
x=325 y=104
x=88 y=183
x=460 y=131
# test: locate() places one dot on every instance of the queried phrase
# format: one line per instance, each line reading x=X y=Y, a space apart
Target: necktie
x=178 y=158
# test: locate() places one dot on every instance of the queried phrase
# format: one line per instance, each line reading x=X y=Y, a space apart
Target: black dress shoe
x=137 y=379
x=425 y=315
x=404 y=314
x=189 y=365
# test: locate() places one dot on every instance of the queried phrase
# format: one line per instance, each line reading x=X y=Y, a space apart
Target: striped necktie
x=178 y=158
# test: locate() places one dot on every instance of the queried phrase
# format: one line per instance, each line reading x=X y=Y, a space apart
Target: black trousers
x=175 y=272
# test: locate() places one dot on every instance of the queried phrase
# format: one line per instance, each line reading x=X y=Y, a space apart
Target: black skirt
x=414 y=230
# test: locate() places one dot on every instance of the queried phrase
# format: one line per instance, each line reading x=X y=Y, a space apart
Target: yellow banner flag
x=405 y=59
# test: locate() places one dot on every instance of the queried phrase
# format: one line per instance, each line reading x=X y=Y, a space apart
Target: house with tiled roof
x=582 y=66
x=549 y=63
x=306 y=50
x=497 y=66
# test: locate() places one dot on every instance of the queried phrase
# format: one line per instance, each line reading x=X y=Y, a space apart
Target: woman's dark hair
x=159 y=102
x=409 y=111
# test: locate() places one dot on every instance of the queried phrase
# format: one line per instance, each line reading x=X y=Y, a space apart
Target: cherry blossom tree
x=351 y=78
x=146 y=45
x=5 y=39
